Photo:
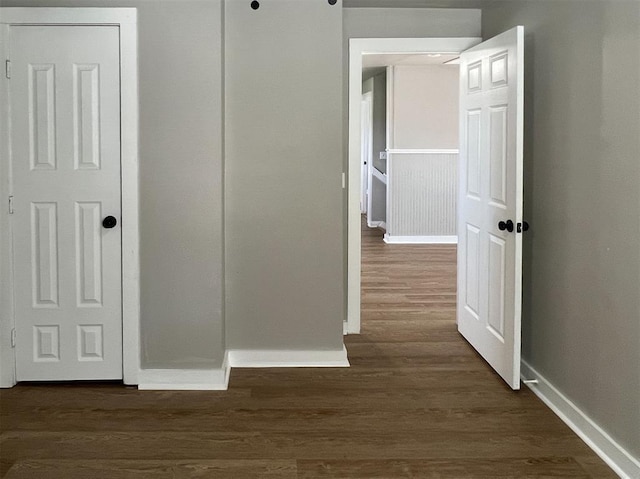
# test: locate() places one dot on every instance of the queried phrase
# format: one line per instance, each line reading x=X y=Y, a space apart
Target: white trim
x=379 y=175
x=252 y=358
x=350 y=328
x=390 y=108
x=395 y=239
x=388 y=191
x=185 y=379
x=7 y=319
x=418 y=151
x=182 y=379
x=126 y=20
x=68 y=16
x=358 y=47
x=377 y=224
x=618 y=458
x=218 y=379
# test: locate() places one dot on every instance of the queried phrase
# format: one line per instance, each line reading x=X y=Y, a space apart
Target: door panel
x=498 y=155
x=88 y=254
x=65 y=133
x=472 y=269
x=41 y=116
x=44 y=255
x=497 y=273
x=473 y=154
x=86 y=116
x=490 y=258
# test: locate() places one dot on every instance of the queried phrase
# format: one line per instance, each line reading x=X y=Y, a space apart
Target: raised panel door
x=490 y=257
x=65 y=134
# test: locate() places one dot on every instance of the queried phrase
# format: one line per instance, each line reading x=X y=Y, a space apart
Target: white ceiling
x=383 y=60
x=374 y=64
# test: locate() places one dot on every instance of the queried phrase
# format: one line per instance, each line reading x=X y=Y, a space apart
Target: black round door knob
x=109 y=222
x=506 y=225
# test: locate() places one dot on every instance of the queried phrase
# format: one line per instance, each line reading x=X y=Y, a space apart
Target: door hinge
x=10 y=205
x=13 y=338
x=7 y=68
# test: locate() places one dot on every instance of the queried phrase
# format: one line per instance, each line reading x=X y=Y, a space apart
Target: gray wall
x=581 y=326
x=180 y=178
x=284 y=234
x=409 y=23
x=181 y=183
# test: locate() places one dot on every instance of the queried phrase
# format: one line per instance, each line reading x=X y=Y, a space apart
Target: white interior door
x=65 y=135
x=490 y=206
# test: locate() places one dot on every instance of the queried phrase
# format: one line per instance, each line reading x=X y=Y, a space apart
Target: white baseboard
x=7 y=374
x=218 y=379
x=251 y=358
x=420 y=239
x=185 y=379
x=377 y=224
x=349 y=328
x=6 y=383
x=345 y=328
x=619 y=459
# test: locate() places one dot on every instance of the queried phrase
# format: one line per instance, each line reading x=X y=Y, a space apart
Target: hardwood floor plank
x=283 y=420
x=125 y=469
x=384 y=399
x=543 y=467
x=109 y=396
x=595 y=467
x=364 y=443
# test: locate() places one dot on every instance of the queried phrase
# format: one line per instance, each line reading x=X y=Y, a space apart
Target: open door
x=490 y=222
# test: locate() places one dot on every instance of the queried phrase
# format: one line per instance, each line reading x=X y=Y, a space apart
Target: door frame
x=126 y=21
x=357 y=48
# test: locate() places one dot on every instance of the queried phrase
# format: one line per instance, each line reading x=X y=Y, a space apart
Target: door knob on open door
x=109 y=222
x=506 y=225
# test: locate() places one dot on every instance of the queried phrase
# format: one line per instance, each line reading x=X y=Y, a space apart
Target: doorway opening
x=409 y=223
x=359 y=49
x=488 y=220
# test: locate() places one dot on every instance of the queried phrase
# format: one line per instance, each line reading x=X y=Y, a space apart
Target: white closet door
x=65 y=134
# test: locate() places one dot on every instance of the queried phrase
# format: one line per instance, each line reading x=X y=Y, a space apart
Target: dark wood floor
x=417 y=402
